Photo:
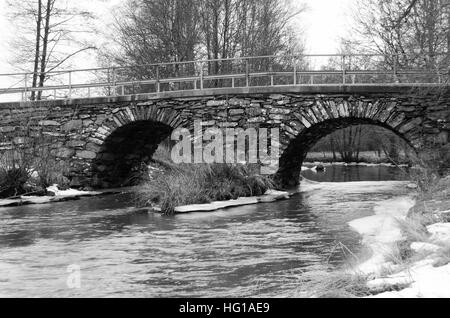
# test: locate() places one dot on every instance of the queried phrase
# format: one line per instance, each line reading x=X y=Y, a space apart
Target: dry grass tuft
x=185 y=184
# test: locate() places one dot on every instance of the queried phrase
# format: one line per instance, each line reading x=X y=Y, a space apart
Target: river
x=264 y=250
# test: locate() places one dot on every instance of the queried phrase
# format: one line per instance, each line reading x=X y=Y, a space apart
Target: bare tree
x=47 y=38
x=154 y=31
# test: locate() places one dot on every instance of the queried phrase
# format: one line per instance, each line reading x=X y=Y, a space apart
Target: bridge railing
x=330 y=69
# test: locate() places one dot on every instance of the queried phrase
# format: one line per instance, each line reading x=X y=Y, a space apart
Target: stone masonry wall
x=79 y=132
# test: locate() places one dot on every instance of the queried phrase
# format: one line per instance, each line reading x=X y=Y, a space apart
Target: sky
x=323 y=23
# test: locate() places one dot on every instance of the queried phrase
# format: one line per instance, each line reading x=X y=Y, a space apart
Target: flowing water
x=264 y=250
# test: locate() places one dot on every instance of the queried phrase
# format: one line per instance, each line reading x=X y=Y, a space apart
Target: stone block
x=234 y=112
x=64 y=153
x=214 y=103
x=86 y=154
x=7 y=129
x=76 y=143
x=72 y=125
x=49 y=123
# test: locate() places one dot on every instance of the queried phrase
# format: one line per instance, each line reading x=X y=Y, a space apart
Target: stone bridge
x=102 y=139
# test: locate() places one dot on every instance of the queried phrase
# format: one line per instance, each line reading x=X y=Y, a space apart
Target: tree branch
x=406 y=13
x=70 y=56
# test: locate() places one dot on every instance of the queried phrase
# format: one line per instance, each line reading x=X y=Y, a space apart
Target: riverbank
x=365 y=157
x=409 y=242
x=57 y=196
x=351 y=164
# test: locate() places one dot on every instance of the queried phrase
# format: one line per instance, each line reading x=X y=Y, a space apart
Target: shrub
x=12 y=181
x=29 y=169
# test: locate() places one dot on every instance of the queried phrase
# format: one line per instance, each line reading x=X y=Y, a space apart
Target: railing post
x=295 y=74
x=271 y=73
x=201 y=75
x=158 y=84
x=114 y=81
x=343 y=70
x=247 y=73
x=395 y=69
x=70 y=84
x=24 y=95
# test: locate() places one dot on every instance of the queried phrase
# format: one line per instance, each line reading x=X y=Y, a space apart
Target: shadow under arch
x=292 y=158
x=126 y=150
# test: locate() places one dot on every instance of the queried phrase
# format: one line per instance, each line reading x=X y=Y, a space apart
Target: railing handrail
x=116 y=67
x=239 y=71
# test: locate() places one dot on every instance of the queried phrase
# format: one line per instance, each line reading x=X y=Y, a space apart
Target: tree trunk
x=42 y=74
x=37 y=49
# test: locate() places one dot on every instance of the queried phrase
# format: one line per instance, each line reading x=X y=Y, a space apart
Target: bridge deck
x=214 y=92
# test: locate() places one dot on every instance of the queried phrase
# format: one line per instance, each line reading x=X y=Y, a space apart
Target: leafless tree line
x=154 y=31
x=413 y=33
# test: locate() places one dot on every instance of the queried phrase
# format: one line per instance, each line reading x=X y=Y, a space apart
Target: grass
x=201 y=183
x=342 y=285
x=185 y=184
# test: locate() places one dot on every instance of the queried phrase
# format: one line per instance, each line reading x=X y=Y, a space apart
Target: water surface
x=254 y=251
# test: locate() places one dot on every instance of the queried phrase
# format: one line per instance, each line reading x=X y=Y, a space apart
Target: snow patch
x=269 y=196
x=424 y=248
x=426 y=281
x=440 y=232
x=56 y=196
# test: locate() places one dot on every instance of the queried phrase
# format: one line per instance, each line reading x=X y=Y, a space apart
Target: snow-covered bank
x=425 y=272
x=429 y=275
x=381 y=232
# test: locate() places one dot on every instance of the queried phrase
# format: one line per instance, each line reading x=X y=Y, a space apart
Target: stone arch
x=308 y=125
x=128 y=140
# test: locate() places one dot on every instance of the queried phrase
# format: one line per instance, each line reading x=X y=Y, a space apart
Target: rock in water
x=320 y=168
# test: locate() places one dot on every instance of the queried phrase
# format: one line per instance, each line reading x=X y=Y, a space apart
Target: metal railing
x=297 y=70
